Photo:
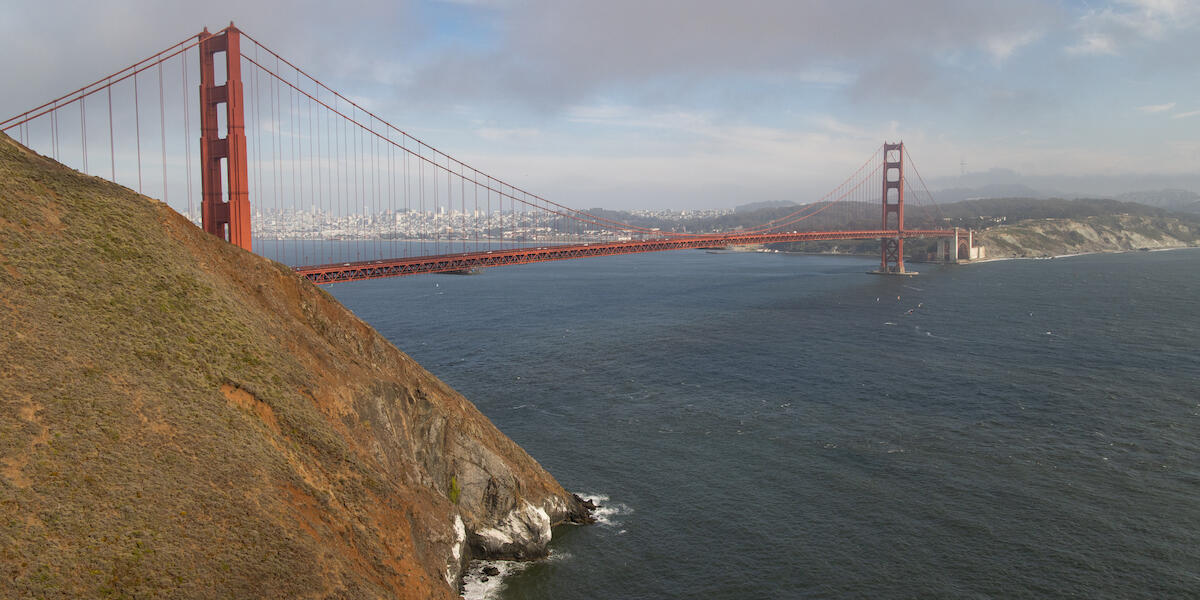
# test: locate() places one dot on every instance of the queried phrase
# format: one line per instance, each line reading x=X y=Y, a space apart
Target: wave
x=478 y=585
x=606 y=510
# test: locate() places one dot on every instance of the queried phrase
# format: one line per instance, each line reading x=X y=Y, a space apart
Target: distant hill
x=769 y=204
x=184 y=419
x=1173 y=200
x=986 y=212
x=997 y=190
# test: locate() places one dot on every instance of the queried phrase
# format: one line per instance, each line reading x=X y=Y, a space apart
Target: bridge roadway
x=442 y=263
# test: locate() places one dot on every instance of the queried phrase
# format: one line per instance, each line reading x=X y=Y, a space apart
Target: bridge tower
x=225 y=213
x=892 y=248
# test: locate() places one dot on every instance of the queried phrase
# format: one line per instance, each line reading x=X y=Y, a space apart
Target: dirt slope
x=180 y=418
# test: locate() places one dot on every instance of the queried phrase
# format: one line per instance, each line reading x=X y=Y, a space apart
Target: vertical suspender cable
x=275 y=151
x=357 y=203
x=378 y=192
x=112 y=153
x=356 y=161
x=475 y=213
x=312 y=177
x=297 y=196
x=83 y=127
x=293 y=161
x=322 y=164
x=374 y=186
x=408 y=217
x=343 y=189
x=424 y=237
x=54 y=131
x=462 y=201
x=360 y=189
x=187 y=132
x=337 y=164
x=435 y=234
x=262 y=207
x=137 y=121
x=390 y=248
x=162 y=128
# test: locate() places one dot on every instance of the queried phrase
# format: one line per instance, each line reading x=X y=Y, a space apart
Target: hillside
x=185 y=419
x=974 y=213
x=1109 y=233
x=1182 y=201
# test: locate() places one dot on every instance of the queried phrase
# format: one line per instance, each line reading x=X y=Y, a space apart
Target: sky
x=704 y=104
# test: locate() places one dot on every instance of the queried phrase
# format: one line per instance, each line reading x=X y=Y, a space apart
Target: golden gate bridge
x=274 y=141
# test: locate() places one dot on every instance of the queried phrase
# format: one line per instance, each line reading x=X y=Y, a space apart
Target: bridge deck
x=375 y=269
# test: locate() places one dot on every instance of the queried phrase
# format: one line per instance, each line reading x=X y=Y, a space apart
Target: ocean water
x=785 y=426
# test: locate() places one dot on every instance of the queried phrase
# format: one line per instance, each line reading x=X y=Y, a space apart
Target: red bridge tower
x=227 y=217
x=892 y=248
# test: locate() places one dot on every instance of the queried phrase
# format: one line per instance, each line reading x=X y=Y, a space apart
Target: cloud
x=553 y=54
x=1156 y=108
x=478 y=3
x=1004 y=45
x=1093 y=44
x=696 y=94
x=54 y=46
x=1126 y=22
x=493 y=134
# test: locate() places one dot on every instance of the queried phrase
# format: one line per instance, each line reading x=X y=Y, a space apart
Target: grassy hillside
x=181 y=418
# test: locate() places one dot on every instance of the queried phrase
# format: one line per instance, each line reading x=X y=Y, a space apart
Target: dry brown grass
x=183 y=419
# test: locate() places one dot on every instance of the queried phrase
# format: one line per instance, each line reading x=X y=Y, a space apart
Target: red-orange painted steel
x=357 y=271
x=229 y=220
x=891 y=252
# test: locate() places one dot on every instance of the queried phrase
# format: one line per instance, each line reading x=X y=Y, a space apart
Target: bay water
x=788 y=426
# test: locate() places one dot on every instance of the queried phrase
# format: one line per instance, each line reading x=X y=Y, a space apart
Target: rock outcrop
x=181 y=418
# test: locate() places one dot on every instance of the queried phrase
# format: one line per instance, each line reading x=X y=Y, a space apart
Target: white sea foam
x=474 y=586
x=606 y=509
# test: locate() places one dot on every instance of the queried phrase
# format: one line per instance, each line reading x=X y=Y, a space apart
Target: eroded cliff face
x=186 y=419
x=1116 y=233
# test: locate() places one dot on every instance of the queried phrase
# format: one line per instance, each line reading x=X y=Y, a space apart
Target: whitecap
x=474 y=586
x=606 y=510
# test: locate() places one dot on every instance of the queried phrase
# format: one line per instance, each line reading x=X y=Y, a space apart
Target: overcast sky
x=674 y=103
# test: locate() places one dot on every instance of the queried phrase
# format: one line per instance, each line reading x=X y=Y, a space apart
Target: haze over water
x=782 y=426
